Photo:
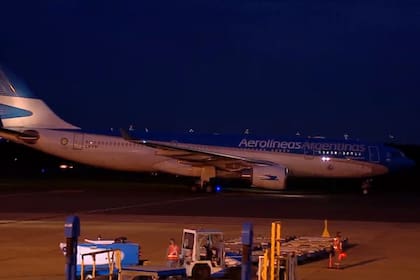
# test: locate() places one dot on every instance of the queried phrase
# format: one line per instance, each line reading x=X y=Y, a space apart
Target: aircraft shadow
x=362 y=263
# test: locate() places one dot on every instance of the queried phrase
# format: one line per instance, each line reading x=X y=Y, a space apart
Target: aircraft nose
x=404 y=164
x=411 y=163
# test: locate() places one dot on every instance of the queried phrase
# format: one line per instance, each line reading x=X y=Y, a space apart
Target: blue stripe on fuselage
x=306 y=146
x=310 y=147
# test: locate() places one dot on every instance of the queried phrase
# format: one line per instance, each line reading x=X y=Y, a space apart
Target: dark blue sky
x=276 y=67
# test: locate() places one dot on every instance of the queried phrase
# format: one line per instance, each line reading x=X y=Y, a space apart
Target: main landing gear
x=206 y=187
x=207 y=181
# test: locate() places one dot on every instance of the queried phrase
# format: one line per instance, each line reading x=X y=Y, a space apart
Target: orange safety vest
x=337 y=245
x=173 y=253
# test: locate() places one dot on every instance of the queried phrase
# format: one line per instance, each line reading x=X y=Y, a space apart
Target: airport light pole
x=247 y=236
x=72 y=233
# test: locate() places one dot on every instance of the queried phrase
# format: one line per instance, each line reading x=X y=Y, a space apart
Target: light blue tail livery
x=19 y=108
x=10 y=85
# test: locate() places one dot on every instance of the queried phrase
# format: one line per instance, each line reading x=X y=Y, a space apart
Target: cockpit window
x=395 y=154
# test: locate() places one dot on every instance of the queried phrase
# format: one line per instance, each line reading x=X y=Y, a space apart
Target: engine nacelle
x=176 y=167
x=267 y=177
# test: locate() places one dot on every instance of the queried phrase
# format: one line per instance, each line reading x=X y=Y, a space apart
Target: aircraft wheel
x=366 y=185
x=201 y=272
x=209 y=188
x=233 y=273
x=102 y=277
x=194 y=188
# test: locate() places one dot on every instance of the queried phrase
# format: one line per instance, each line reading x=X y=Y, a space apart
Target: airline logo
x=7 y=112
x=300 y=145
x=269 y=177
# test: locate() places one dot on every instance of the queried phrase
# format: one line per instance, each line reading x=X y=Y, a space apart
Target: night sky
x=276 y=67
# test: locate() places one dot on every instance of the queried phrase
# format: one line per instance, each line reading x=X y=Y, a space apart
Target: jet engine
x=267 y=177
x=177 y=167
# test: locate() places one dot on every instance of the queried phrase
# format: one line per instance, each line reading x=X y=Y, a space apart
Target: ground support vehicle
x=203 y=254
x=100 y=257
x=306 y=248
x=151 y=272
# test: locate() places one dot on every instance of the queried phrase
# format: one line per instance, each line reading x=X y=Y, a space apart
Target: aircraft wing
x=198 y=156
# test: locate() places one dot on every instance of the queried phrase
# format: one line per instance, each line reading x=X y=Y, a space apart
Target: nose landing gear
x=366 y=186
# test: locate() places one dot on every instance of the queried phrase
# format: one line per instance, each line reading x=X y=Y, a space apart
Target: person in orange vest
x=173 y=253
x=337 y=252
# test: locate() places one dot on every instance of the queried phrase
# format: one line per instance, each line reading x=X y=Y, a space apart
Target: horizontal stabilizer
x=27 y=136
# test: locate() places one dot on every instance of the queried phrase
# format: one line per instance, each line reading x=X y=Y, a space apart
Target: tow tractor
x=203 y=254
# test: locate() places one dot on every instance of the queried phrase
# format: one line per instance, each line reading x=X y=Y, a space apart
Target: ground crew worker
x=173 y=253
x=337 y=252
x=209 y=251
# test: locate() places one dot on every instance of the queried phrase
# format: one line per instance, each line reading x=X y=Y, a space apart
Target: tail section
x=19 y=108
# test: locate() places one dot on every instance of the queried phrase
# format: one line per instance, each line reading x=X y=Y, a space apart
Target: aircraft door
x=78 y=141
x=373 y=154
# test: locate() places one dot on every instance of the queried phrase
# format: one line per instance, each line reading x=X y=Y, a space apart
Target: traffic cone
x=325 y=233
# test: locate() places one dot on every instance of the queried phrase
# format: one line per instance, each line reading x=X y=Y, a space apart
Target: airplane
x=265 y=161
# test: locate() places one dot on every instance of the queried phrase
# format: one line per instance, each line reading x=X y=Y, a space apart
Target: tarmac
x=30 y=238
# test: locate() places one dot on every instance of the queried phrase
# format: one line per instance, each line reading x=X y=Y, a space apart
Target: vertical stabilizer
x=19 y=108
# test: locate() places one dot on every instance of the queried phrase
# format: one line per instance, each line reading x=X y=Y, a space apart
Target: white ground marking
x=138 y=205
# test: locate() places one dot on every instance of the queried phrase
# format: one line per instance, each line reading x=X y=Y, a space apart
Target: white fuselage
x=116 y=153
